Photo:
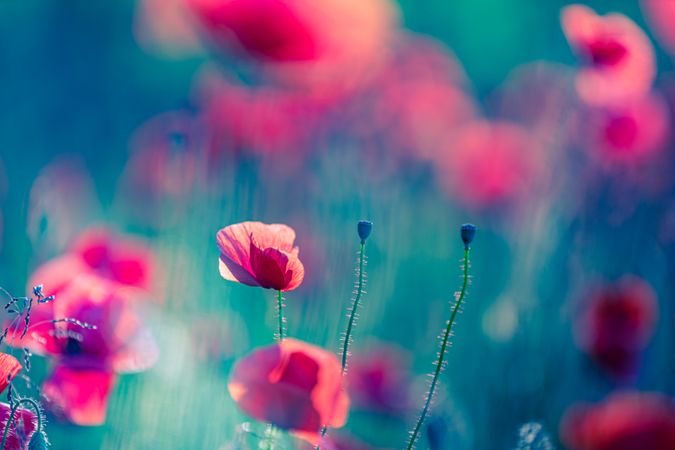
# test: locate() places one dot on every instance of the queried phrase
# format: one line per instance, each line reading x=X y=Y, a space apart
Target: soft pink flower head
x=257 y=254
x=623 y=421
x=488 y=163
x=620 y=59
x=617 y=323
x=302 y=41
x=293 y=385
x=110 y=338
x=24 y=420
x=629 y=133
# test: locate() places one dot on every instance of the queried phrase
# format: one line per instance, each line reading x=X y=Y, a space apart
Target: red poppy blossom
x=257 y=254
x=24 y=419
x=628 y=133
x=293 y=385
x=300 y=41
x=624 y=421
x=620 y=58
x=488 y=163
x=88 y=358
x=617 y=324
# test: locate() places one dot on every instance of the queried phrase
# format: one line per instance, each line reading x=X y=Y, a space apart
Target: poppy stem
x=280 y=315
x=444 y=344
x=352 y=316
x=35 y=406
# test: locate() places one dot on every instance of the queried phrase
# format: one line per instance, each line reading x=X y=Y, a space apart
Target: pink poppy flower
x=620 y=58
x=628 y=133
x=24 y=420
x=379 y=380
x=623 y=421
x=661 y=15
x=617 y=324
x=293 y=385
x=114 y=340
x=257 y=254
x=488 y=163
x=301 y=41
x=164 y=27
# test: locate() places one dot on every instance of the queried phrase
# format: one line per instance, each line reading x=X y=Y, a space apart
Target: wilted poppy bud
x=468 y=232
x=364 y=227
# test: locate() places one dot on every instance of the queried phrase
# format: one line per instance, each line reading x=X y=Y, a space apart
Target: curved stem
x=34 y=404
x=280 y=315
x=444 y=345
x=355 y=305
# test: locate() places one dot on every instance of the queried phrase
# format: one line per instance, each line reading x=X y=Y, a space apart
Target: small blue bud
x=468 y=232
x=364 y=227
x=38 y=441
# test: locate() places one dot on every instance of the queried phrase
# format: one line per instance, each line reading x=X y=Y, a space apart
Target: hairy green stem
x=280 y=315
x=444 y=345
x=31 y=402
x=352 y=319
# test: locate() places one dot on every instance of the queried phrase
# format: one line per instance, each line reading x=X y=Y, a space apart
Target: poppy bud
x=468 y=232
x=38 y=441
x=364 y=228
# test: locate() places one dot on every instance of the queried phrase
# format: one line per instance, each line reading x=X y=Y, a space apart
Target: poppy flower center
x=269 y=267
x=606 y=51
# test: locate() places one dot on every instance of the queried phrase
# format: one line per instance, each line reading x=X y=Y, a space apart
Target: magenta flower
x=257 y=254
x=620 y=59
x=100 y=337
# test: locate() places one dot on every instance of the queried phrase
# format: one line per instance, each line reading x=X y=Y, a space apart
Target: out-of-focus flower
x=624 y=421
x=488 y=163
x=661 y=16
x=101 y=336
x=628 y=133
x=165 y=27
x=102 y=252
x=617 y=323
x=264 y=120
x=165 y=154
x=416 y=98
x=257 y=254
x=293 y=385
x=379 y=380
x=302 y=41
x=24 y=419
x=620 y=59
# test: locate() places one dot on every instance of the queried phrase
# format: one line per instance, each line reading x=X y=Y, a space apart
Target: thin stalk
x=31 y=402
x=280 y=315
x=444 y=345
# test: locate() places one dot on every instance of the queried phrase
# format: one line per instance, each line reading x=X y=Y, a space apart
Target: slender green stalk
x=280 y=315
x=352 y=317
x=444 y=345
x=31 y=402
x=355 y=306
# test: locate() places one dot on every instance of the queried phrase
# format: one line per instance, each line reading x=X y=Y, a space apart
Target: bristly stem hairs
x=364 y=228
x=280 y=316
x=467 y=232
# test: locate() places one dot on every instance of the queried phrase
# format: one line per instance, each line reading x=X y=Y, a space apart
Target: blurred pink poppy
x=101 y=336
x=24 y=419
x=101 y=252
x=488 y=163
x=661 y=15
x=623 y=421
x=165 y=27
x=165 y=157
x=617 y=323
x=293 y=385
x=620 y=58
x=628 y=133
x=263 y=120
x=257 y=254
x=379 y=380
x=301 y=41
